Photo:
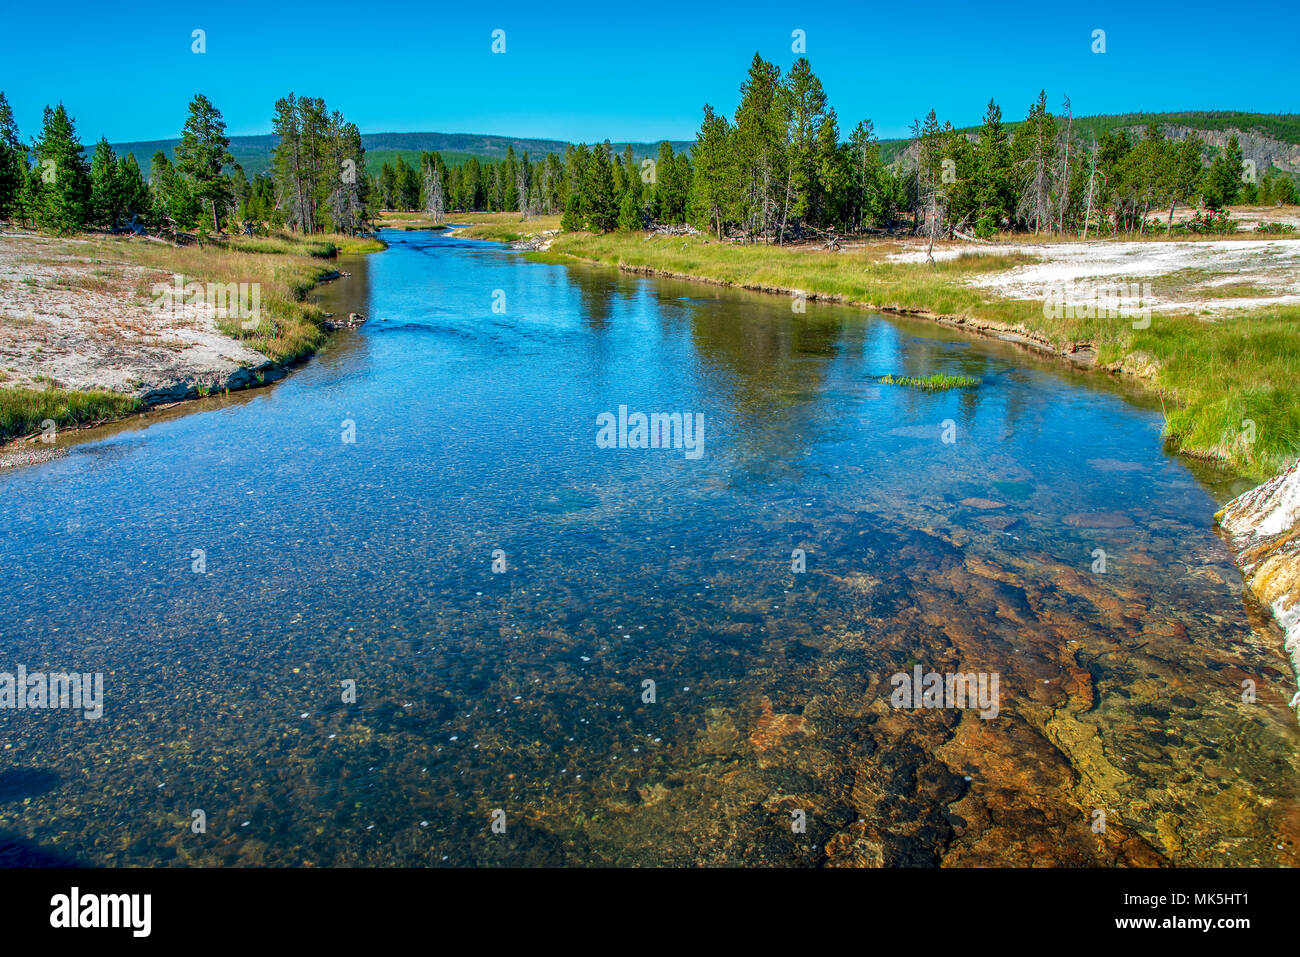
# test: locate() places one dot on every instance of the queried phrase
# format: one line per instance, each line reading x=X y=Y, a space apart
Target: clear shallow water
x=475 y=430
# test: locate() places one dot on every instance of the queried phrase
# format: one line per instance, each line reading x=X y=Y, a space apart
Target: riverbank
x=1213 y=373
x=504 y=227
x=85 y=336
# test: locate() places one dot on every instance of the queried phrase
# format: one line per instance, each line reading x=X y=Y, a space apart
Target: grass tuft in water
x=932 y=383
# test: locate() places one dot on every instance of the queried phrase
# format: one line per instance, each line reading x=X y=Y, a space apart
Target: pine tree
x=507 y=196
x=993 y=191
x=598 y=205
x=105 y=189
x=318 y=176
x=60 y=181
x=631 y=177
x=760 y=150
x=1034 y=150
x=286 y=162
x=681 y=187
x=407 y=184
x=349 y=197
x=1185 y=174
x=13 y=164
x=571 y=221
x=554 y=192
x=930 y=142
x=388 y=187
x=133 y=190
x=174 y=206
x=831 y=175
x=865 y=201
x=665 y=185
x=711 y=184
x=805 y=103
x=629 y=213
x=202 y=156
x=1223 y=182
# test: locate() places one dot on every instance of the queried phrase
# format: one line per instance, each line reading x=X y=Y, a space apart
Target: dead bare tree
x=435 y=201
x=1065 y=168
x=1092 y=177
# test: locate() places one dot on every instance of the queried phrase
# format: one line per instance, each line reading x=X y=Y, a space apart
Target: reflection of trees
x=347 y=294
x=779 y=375
x=596 y=293
x=771 y=361
x=901 y=352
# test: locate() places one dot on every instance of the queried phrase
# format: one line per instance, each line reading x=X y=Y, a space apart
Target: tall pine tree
x=202 y=156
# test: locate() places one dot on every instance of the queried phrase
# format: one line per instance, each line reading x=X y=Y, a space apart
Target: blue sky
x=639 y=71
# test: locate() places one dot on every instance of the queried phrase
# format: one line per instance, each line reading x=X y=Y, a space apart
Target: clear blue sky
x=631 y=70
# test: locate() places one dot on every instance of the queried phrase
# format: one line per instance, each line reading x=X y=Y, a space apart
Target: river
x=404 y=608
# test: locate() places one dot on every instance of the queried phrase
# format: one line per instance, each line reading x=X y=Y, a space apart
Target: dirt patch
x=1266 y=271
x=69 y=321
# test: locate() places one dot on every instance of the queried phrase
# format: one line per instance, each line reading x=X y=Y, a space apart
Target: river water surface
x=644 y=677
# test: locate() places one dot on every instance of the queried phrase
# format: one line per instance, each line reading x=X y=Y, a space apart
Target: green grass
x=931 y=383
x=1211 y=375
x=23 y=410
x=289 y=244
x=1233 y=382
x=503 y=227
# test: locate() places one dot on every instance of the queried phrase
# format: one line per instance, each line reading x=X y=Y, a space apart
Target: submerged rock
x=1098 y=520
x=1264 y=528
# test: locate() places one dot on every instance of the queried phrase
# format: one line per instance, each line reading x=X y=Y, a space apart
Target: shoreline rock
x=1263 y=527
x=196 y=387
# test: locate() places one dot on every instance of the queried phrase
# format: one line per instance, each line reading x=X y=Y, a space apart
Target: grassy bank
x=503 y=227
x=23 y=411
x=288 y=244
x=285 y=266
x=398 y=219
x=1228 y=383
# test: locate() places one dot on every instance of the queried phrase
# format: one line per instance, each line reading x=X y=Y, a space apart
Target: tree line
x=589 y=186
x=317 y=180
x=780 y=170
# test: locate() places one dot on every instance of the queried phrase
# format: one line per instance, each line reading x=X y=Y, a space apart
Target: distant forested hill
x=253 y=153
x=1270 y=139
